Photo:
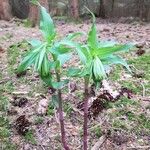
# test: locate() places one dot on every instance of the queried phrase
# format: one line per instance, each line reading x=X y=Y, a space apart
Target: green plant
x=96 y=57
x=48 y=57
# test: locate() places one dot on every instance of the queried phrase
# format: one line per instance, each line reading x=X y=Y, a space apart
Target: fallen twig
x=76 y=110
x=99 y=143
x=140 y=147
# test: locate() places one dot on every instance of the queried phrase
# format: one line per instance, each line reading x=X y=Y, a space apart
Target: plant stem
x=85 y=125
x=61 y=118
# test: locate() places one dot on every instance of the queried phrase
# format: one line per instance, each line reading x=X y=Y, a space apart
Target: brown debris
x=97 y=106
x=101 y=102
x=12 y=111
x=140 y=52
x=126 y=91
x=19 y=101
x=51 y=90
x=21 y=74
x=119 y=138
x=22 y=125
x=72 y=87
x=1 y=50
x=139 y=75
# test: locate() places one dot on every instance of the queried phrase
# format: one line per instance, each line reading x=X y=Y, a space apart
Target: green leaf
x=98 y=69
x=52 y=65
x=64 y=58
x=94 y=19
x=92 y=38
x=55 y=101
x=44 y=70
x=112 y=59
x=62 y=47
x=105 y=51
x=46 y=24
x=74 y=35
x=35 y=2
x=86 y=52
x=28 y=60
x=59 y=49
x=75 y=72
x=107 y=43
x=59 y=85
x=47 y=79
x=50 y=82
x=42 y=54
x=34 y=42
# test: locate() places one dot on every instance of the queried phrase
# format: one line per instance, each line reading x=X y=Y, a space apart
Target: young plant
x=96 y=57
x=47 y=57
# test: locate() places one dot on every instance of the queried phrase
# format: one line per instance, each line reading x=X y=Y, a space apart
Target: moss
x=3 y=103
x=7 y=145
x=50 y=111
x=124 y=102
x=144 y=121
x=97 y=131
x=4 y=132
x=8 y=87
x=115 y=75
x=67 y=108
x=132 y=85
x=13 y=54
x=142 y=63
x=29 y=137
x=119 y=124
x=38 y=120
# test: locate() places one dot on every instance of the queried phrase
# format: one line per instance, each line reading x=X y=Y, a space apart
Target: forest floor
x=121 y=125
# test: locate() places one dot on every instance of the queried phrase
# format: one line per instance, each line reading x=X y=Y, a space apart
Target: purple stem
x=85 y=125
x=61 y=117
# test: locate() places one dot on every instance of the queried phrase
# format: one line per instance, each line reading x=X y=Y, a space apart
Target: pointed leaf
x=107 y=43
x=64 y=58
x=55 y=101
x=34 y=42
x=92 y=38
x=98 y=69
x=74 y=35
x=105 y=51
x=112 y=59
x=59 y=85
x=46 y=24
x=28 y=60
x=73 y=72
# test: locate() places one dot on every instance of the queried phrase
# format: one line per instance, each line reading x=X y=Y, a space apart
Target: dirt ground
x=121 y=125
